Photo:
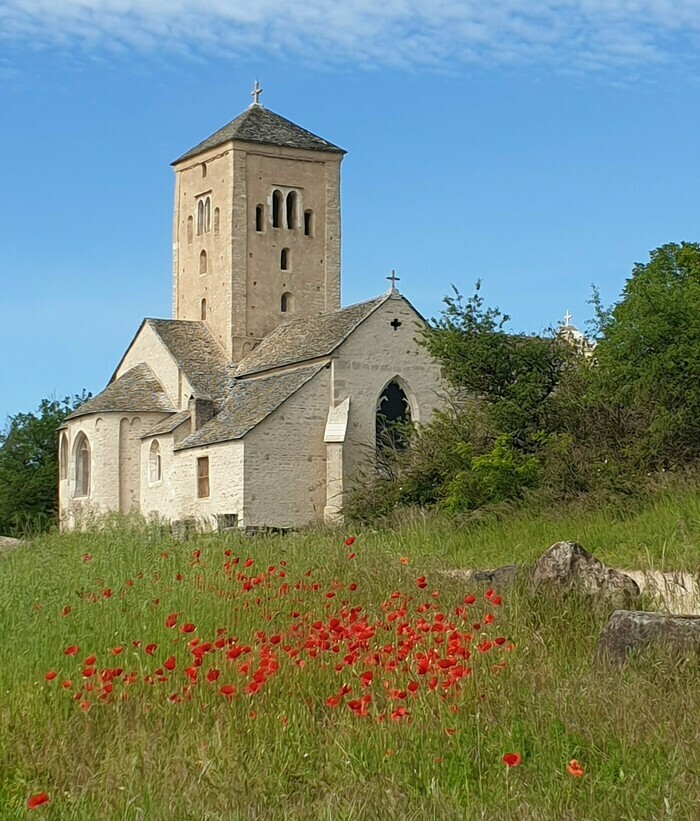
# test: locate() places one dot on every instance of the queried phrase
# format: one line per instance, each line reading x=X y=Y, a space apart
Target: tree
x=648 y=355
x=29 y=465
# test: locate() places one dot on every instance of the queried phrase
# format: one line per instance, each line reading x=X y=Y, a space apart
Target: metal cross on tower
x=255 y=94
x=393 y=279
x=567 y=319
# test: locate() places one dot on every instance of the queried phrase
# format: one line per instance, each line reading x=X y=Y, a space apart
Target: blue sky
x=539 y=146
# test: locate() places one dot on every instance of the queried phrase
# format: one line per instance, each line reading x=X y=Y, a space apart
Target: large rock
x=567 y=566
x=674 y=592
x=630 y=630
x=6 y=542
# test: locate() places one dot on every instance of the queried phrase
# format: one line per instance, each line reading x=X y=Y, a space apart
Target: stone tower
x=256 y=229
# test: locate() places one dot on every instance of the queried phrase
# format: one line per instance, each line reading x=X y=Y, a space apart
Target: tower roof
x=259 y=125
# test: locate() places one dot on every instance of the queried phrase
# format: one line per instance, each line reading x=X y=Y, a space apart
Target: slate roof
x=259 y=125
x=308 y=338
x=167 y=425
x=136 y=391
x=198 y=355
x=250 y=401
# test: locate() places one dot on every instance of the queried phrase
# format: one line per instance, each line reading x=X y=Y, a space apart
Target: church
x=261 y=399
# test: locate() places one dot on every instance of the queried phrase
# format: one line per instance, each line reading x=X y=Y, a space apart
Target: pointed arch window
x=392 y=417
x=292 y=209
x=276 y=209
x=63 y=456
x=203 y=262
x=217 y=220
x=200 y=217
x=82 y=465
x=155 y=463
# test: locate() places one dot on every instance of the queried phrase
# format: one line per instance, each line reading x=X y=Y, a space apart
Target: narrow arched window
x=190 y=230
x=217 y=220
x=82 y=465
x=203 y=262
x=308 y=223
x=392 y=417
x=284 y=259
x=287 y=303
x=155 y=463
x=63 y=456
x=203 y=309
x=276 y=209
x=259 y=217
x=204 y=169
x=292 y=209
x=200 y=217
x=207 y=215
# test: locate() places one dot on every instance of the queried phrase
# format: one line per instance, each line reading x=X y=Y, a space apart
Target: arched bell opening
x=393 y=415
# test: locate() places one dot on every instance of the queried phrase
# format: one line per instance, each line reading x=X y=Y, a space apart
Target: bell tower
x=256 y=228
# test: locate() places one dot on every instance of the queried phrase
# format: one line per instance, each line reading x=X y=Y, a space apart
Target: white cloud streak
x=578 y=35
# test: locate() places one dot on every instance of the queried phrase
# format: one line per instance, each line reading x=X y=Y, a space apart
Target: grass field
x=301 y=677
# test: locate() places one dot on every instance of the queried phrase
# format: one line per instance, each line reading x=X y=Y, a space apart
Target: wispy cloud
x=579 y=35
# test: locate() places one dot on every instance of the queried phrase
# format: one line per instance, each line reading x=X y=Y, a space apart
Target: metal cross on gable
x=255 y=93
x=393 y=279
x=567 y=319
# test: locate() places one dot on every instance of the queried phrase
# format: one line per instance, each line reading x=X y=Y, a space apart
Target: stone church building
x=257 y=403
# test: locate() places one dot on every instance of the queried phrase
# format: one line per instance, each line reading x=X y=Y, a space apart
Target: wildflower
x=469 y=599
x=51 y=675
x=213 y=675
x=421 y=582
x=170 y=663
x=37 y=800
x=352 y=555
x=67 y=684
x=350 y=541
x=512 y=759
x=171 y=620
x=66 y=610
x=151 y=649
x=87 y=557
x=450 y=731
x=72 y=650
x=574 y=768
x=403 y=560
x=188 y=628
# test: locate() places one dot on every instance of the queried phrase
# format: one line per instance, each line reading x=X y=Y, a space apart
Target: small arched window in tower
x=155 y=463
x=190 y=230
x=287 y=303
x=308 y=223
x=292 y=209
x=276 y=209
x=203 y=309
x=63 y=456
x=204 y=170
x=284 y=259
x=259 y=218
x=203 y=262
x=200 y=217
x=82 y=466
x=217 y=220
x=392 y=418
x=207 y=215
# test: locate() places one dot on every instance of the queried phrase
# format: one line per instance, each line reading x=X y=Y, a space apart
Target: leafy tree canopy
x=29 y=465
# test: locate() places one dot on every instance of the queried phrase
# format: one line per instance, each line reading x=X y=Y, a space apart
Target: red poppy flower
x=171 y=621
x=87 y=557
x=350 y=541
x=67 y=684
x=421 y=582
x=496 y=600
x=352 y=555
x=333 y=701
x=51 y=675
x=352 y=586
x=574 y=768
x=66 y=610
x=72 y=650
x=107 y=593
x=188 y=628
x=403 y=560
x=170 y=663
x=213 y=675
x=512 y=759
x=117 y=650
x=90 y=660
x=450 y=731
x=151 y=649
x=469 y=599
x=248 y=563
x=37 y=800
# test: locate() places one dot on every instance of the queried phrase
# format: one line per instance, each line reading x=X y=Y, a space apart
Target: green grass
x=635 y=733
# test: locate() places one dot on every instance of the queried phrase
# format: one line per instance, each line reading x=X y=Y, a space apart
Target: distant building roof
x=250 y=401
x=306 y=338
x=197 y=353
x=136 y=391
x=259 y=125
